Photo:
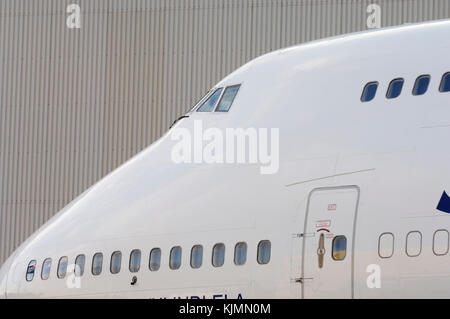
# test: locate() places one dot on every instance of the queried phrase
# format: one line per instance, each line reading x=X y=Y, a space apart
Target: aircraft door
x=327 y=262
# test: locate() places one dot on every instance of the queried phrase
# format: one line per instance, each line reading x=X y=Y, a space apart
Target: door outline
x=352 y=266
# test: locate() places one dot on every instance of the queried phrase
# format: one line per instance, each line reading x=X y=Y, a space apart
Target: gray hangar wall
x=75 y=103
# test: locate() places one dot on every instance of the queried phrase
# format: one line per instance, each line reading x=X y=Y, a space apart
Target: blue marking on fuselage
x=444 y=203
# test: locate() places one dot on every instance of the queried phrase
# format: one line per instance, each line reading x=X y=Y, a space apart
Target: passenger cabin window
x=369 y=91
x=79 y=265
x=264 y=248
x=31 y=270
x=445 y=83
x=339 y=248
x=175 y=258
x=395 y=88
x=421 y=85
x=155 y=259
x=240 y=253
x=135 y=260
x=413 y=243
x=62 y=267
x=46 y=266
x=227 y=98
x=196 y=256
x=97 y=264
x=440 y=242
x=386 y=245
x=218 y=255
x=210 y=103
x=116 y=262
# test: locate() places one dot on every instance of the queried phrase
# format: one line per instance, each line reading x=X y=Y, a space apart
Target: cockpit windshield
x=199 y=101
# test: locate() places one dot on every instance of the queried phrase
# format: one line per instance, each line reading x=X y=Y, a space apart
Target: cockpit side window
x=395 y=88
x=227 y=98
x=421 y=85
x=199 y=102
x=210 y=103
x=369 y=91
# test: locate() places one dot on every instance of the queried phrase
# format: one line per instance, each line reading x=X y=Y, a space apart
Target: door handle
x=321 y=250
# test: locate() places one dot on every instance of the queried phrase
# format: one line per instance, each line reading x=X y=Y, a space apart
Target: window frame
x=200 y=102
x=364 y=90
x=49 y=268
x=150 y=259
x=235 y=250
x=201 y=260
x=221 y=97
x=140 y=261
x=332 y=247
x=448 y=241
x=214 y=90
x=415 y=84
x=170 y=257
x=76 y=264
x=212 y=255
x=389 y=87
x=111 y=262
x=258 y=251
x=92 y=266
x=421 y=243
x=445 y=75
x=59 y=267
x=34 y=271
x=393 y=244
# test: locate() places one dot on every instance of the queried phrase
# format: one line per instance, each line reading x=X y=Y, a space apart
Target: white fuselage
x=346 y=168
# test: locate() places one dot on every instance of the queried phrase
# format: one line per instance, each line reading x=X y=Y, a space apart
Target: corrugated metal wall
x=76 y=103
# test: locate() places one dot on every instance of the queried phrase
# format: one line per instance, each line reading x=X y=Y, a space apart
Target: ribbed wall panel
x=75 y=104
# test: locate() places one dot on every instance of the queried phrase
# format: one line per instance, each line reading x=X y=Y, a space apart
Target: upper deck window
x=62 y=267
x=30 y=270
x=227 y=98
x=395 y=88
x=46 y=266
x=210 y=103
x=421 y=85
x=79 y=265
x=369 y=91
x=445 y=83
